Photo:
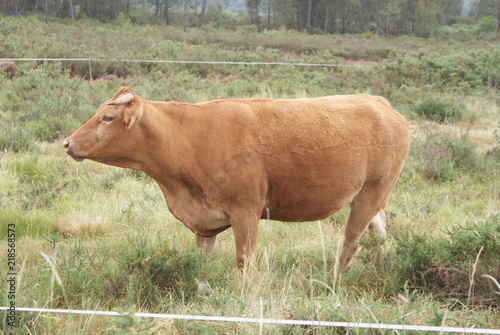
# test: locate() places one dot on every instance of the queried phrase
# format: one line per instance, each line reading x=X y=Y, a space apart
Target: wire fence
x=146 y=61
x=90 y=60
x=265 y=321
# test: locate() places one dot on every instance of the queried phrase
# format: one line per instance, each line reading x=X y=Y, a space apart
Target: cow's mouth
x=76 y=157
x=68 y=146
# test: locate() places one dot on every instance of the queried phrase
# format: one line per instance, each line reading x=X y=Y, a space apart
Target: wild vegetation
x=89 y=236
x=383 y=17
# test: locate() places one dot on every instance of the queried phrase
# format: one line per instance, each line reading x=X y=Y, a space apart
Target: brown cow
x=227 y=163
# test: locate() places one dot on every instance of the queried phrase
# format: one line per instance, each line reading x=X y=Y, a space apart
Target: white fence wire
x=168 y=61
x=265 y=321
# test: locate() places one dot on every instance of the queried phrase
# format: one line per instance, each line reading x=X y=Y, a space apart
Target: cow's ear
x=132 y=114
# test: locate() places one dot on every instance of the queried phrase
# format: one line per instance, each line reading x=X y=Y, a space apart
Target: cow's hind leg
x=376 y=228
x=378 y=223
x=366 y=211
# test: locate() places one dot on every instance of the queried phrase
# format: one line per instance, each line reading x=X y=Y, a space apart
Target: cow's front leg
x=206 y=244
x=245 y=230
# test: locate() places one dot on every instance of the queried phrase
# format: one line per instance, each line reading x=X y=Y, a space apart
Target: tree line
x=385 y=17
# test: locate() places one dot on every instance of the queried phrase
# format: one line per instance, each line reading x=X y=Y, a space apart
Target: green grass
x=107 y=234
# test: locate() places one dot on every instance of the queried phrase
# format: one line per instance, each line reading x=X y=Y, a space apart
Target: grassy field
x=89 y=236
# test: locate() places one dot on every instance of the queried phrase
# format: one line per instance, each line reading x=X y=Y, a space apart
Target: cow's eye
x=107 y=119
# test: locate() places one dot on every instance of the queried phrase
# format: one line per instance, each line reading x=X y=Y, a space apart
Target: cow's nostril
x=70 y=148
x=66 y=144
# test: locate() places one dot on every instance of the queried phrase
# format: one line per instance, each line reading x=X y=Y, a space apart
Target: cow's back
x=319 y=152
x=311 y=124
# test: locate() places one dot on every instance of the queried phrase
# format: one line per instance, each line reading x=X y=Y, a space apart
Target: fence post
x=90 y=69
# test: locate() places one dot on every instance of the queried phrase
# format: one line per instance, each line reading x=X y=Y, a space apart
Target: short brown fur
x=227 y=163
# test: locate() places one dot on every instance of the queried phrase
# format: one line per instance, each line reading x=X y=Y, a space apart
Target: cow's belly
x=307 y=194
x=308 y=207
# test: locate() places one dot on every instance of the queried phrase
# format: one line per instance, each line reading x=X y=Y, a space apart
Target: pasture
x=90 y=236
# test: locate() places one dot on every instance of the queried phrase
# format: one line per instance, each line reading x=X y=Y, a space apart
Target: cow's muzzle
x=69 y=147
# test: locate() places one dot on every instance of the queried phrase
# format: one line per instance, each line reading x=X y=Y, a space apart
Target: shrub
x=414 y=252
x=444 y=159
x=146 y=274
x=151 y=270
x=434 y=160
x=15 y=138
x=444 y=266
x=45 y=104
x=438 y=108
x=467 y=241
x=38 y=176
x=487 y=24
x=458 y=32
x=461 y=70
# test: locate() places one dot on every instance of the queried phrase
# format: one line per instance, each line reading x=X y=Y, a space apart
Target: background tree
x=268 y=9
x=202 y=13
x=157 y=9
x=427 y=17
x=167 y=12
x=384 y=17
x=253 y=10
x=482 y=8
x=309 y=16
x=498 y=16
x=184 y=15
x=389 y=18
x=46 y=10
x=69 y=7
x=283 y=13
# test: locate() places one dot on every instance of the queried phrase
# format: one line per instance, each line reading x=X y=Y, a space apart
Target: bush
x=38 y=176
x=458 y=32
x=444 y=266
x=487 y=24
x=444 y=159
x=151 y=270
x=45 y=104
x=438 y=108
x=461 y=70
x=414 y=252
x=467 y=241
x=15 y=138
x=146 y=274
x=468 y=32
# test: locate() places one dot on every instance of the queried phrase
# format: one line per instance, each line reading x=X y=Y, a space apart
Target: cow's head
x=110 y=135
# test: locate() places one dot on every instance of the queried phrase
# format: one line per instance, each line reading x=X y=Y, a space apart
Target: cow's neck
x=169 y=159
x=168 y=153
